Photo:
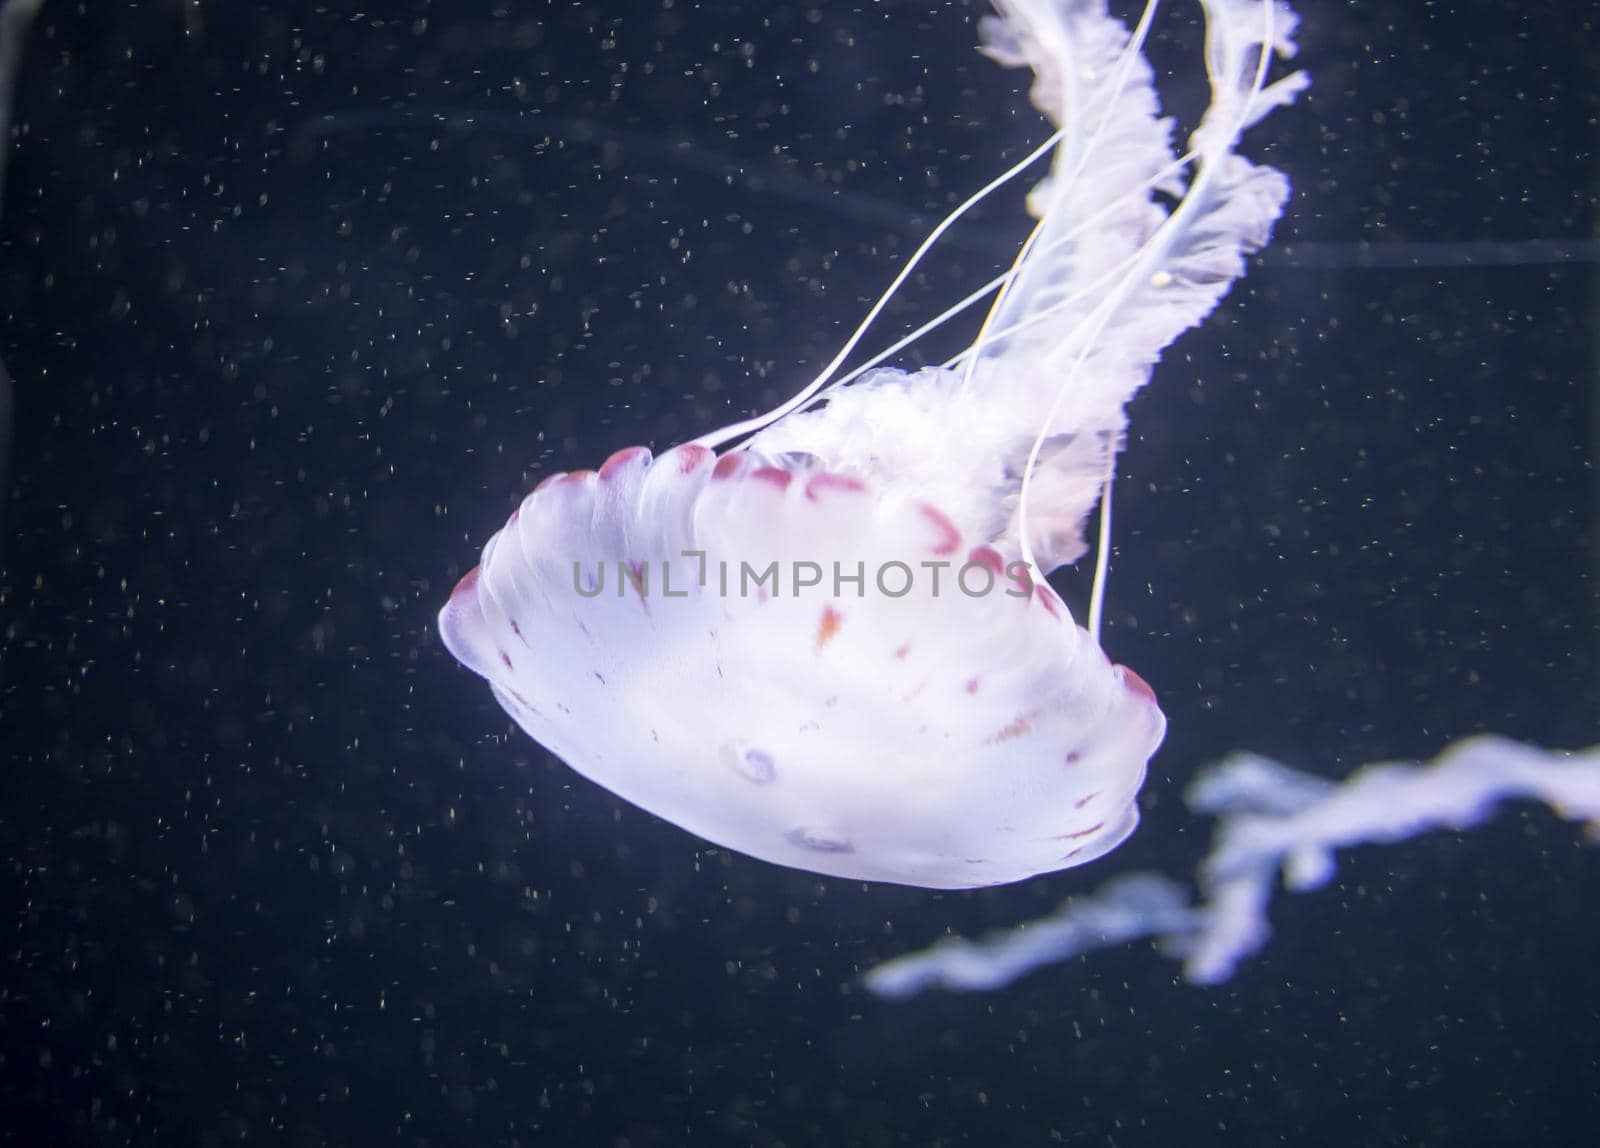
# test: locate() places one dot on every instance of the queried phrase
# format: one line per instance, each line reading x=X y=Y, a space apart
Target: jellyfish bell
x=832 y=646
x=807 y=667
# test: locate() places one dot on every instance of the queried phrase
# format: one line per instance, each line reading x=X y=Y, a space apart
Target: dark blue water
x=300 y=300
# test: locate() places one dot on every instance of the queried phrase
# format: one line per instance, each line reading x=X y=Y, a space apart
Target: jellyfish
x=823 y=637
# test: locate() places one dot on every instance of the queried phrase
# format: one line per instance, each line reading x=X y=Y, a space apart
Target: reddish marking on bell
x=972 y=685
x=899 y=655
x=844 y=483
x=549 y=480
x=989 y=557
x=691 y=457
x=1082 y=801
x=828 y=626
x=1047 y=599
x=636 y=575
x=1074 y=757
x=468 y=583
x=619 y=460
x=517 y=630
x=520 y=700
x=506 y=658
x=1135 y=683
x=949 y=537
x=1015 y=729
x=728 y=465
x=773 y=476
x=512 y=521
x=1089 y=832
x=578 y=477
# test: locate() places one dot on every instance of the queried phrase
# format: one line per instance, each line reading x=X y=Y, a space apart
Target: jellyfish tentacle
x=1178 y=263
x=1102 y=555
x=736 y=430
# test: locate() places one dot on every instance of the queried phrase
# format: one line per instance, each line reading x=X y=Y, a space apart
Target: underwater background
x=300 y=300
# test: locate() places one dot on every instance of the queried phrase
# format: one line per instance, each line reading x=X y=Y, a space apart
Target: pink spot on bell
x=828 y=625
x=728 y=465
x=611 y=466
x=1089 y=832
x=1047 y=599
x=549 y=480
x=691 y=457
x=899 y=655
x=988 y=557
x=636 y=576
x=1082 y=801
x=467 y=585
x=843 y=483
x=1135 y=683
x=1074 y=757
x=947 y=537
x=520 y=700
x=773 y=476
x=1014 y=729
x=972 y=685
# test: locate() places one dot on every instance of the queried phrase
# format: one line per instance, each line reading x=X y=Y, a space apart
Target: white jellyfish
x=833 y=646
